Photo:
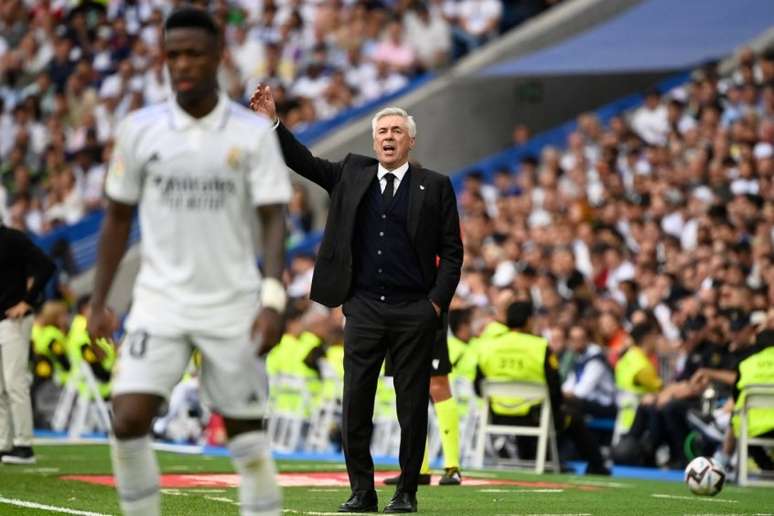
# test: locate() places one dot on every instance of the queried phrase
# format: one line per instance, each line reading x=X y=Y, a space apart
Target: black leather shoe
x=422 y=480
x=361 y=501
x=402 y=502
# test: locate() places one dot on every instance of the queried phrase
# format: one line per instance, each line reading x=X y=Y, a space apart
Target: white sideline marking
x=51 y=508
x=547 y=514
x=316 y=513
x=516 y=491
x=221 y=499
x=701 y=498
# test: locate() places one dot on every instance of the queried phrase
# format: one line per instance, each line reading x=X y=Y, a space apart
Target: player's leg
x=147 y=370
x=448 y=426
x=235 y=384
x=445 y=406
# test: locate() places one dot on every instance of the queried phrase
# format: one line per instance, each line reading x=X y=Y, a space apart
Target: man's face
x=192 y=56
x=392 y=142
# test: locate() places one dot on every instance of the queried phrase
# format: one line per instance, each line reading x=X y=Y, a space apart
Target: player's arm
x=112 y=244
x=123 y=187
x=269 y=323
x=270 y=191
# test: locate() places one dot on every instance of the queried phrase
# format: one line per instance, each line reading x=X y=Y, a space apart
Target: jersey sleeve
x=124 y=176
x=269 y=176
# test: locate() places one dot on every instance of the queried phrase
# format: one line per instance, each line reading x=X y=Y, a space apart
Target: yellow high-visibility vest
x=756 y=369
x=514 y=356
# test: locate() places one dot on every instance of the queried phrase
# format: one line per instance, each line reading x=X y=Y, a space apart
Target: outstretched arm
x=297 y=156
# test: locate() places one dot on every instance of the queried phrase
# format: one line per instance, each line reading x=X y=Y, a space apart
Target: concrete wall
x=474 y=118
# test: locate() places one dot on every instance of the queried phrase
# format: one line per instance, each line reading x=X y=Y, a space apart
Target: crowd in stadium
x=70 y=71
x=653 y=232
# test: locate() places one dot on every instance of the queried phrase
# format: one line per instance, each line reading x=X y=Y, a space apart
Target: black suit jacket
x=433 y=222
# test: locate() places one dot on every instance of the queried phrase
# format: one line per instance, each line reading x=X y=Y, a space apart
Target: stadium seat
x=530 y=393
x=469 y=412
x=756 y=396
x=81 y=409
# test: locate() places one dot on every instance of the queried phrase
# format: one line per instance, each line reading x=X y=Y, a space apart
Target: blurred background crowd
x=70 y=71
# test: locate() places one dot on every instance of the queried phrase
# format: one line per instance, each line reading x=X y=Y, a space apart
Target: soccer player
x=200 y=168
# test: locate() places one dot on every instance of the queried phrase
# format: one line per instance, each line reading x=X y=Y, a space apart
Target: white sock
x=137 y=476
x=259 y=493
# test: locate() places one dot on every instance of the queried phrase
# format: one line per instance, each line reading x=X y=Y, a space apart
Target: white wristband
x=273 y=294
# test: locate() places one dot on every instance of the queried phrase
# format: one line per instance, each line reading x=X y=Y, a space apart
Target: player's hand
x=100 y=323
x=262 y=101
x=18 y=310
x=267 y=330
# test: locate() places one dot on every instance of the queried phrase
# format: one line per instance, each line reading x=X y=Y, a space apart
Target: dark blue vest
x=385 y=265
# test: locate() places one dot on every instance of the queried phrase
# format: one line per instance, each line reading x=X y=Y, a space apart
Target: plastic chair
x=531 y=393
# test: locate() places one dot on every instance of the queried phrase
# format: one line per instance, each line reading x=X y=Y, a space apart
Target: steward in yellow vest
x=462 y=358
x=101 y=356
x=756 y=369
x=520 y=356
x=52 y=356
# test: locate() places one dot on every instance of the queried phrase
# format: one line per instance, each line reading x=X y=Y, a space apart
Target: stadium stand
x=69 y=71
x=650 y=224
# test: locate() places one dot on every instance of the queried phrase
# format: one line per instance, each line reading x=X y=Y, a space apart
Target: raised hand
x=262 y=101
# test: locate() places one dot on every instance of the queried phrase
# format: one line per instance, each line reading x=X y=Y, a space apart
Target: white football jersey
x=197 y=183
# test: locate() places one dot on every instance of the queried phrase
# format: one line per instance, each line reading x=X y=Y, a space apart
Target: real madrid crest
x=234 y=158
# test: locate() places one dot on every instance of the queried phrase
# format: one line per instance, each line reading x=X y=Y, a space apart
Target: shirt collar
x=181 y=120
x=398 y=172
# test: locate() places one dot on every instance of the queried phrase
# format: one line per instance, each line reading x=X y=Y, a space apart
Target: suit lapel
x=362 y=182
x=416 y=199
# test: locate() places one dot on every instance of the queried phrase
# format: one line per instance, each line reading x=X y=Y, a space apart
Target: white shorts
x=233 y=379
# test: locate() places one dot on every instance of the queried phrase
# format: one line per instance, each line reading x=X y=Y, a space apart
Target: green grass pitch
x=38 y=489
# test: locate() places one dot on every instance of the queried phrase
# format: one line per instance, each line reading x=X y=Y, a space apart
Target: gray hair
x=390 y=111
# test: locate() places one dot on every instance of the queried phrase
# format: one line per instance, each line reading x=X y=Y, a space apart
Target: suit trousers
x=374 y=329
x=15 y=404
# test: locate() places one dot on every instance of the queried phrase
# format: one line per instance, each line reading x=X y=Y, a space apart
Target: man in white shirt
x=590 y=384
x=200 y=168
x=651 y=121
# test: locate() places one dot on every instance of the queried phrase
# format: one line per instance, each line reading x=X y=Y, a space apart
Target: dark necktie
x=389 y=190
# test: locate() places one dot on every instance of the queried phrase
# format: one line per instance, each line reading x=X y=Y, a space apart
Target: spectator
x=478 y=22
x=429 y=35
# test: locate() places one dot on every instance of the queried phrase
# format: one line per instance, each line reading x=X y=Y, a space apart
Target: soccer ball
x=704 y=476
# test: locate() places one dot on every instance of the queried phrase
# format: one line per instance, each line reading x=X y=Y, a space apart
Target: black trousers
x=374 y=329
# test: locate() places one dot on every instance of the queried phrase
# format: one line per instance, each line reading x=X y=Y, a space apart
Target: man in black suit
x=391 y=254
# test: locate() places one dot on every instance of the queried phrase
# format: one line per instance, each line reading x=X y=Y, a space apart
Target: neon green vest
x=332 y=388
x=756 y=369
x=462 y=359
x=514 y=356
x=51 y=342
x=78 y=342
x=628 y=366
x=106 y=363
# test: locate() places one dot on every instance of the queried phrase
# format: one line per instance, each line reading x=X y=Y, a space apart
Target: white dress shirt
x=398 y=173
